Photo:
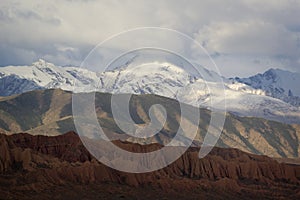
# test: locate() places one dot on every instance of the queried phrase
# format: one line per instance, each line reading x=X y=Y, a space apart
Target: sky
x=243 y=37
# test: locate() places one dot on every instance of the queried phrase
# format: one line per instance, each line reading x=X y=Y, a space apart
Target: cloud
x=254 y=37
x=251 y=46
x=242 y=33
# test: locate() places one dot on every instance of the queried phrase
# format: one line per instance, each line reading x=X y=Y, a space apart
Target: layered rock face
x=32 y=167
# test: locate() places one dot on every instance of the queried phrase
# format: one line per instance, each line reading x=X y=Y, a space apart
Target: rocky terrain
x=41 y=167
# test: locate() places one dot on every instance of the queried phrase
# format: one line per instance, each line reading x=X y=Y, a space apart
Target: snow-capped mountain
x=42 y=75
x=276 y=83
x=165 y=79
x=157 y=78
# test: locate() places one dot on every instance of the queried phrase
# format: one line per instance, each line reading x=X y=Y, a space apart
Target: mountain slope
x=49 y=112
x=41 y=75
x=163 y=79
x=277 y=83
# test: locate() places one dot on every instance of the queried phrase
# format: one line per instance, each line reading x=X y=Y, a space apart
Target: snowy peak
x=271 y=95
x=272 y=75
x=149 y=78
x=276 y=83
x=42 y=64
x=40 y=75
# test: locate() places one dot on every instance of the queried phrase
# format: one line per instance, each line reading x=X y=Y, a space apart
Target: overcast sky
x=245 y=37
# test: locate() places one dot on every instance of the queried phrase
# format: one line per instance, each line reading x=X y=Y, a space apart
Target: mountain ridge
x=277 y=83
x=49 y=112
x=162 y=79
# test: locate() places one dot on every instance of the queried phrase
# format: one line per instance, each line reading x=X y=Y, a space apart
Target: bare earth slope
x=49 y=112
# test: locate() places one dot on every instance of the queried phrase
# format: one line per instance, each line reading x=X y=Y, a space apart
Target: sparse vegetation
x=28 y=112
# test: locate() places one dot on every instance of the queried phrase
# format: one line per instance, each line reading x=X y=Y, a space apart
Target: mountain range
x=256 y=156
x=273 y=95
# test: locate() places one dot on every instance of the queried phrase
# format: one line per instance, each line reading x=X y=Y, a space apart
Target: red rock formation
x=35 y=163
